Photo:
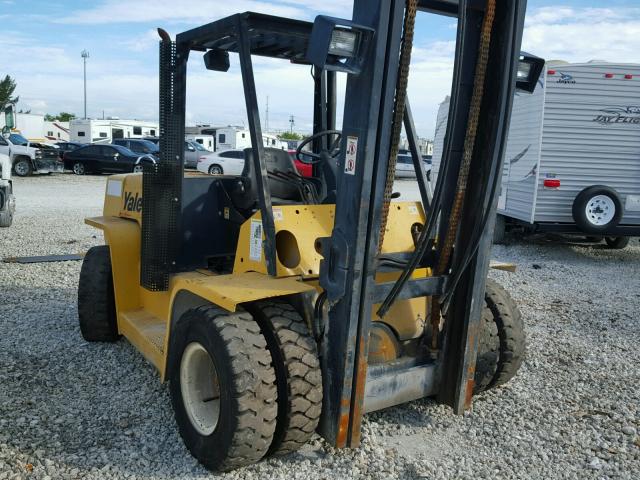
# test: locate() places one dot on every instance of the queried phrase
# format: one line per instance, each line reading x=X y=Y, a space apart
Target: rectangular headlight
x=524 y=70
x=343 y=43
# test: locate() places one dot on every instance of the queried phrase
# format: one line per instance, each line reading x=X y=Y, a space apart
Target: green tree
x=61 y=117
x=290 y=136
x=7 y=87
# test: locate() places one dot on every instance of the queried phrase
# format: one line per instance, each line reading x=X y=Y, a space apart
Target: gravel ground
x=69 y=409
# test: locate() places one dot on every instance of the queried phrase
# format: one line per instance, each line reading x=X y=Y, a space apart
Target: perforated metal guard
x=162 y=185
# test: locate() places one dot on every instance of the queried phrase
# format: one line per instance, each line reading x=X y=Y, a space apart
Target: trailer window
x=103 y=135
x=137 y=130
x=152 y=133
x=222 y=138
x=81 y=134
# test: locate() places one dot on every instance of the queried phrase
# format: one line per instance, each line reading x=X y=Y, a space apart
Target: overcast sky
x=41 y=43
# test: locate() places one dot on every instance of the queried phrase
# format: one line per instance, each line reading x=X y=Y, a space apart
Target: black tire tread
x=96 y=301
x=253 y=386
x=300 y=381
x=510 y=328
x=617 y=243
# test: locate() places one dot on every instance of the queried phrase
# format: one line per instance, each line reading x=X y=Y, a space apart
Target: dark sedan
x=68 y=147
x=99 y=158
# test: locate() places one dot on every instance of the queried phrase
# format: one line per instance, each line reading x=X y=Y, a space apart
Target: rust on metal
x=359 y=392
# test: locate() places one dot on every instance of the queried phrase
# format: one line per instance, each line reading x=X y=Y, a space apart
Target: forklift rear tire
x=298 y=373
x=96 y=301
x=501 y=347
x=223 y=387
x=617 y=243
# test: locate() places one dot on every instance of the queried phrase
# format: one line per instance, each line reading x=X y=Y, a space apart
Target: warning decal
x=255 y=242
x=351 y=154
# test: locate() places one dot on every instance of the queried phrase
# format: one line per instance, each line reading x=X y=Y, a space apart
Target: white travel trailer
x=93 y=130
x=572 y=162
x=237 y=138
x=207 y=141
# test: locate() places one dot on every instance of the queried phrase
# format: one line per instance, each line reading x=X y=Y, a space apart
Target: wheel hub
x=200 y=388
x=600 y=210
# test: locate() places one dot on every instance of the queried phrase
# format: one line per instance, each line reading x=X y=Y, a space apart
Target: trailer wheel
x=96 y=301
x=597 y=209
x=23 y=167
x=501 y=345
x=617 y=243
x=298 y=373
x=223 y=388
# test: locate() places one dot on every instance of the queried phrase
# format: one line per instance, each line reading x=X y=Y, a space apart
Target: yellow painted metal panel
x=307 y=223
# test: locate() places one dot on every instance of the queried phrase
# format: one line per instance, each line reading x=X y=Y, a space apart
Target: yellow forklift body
x=145 y=317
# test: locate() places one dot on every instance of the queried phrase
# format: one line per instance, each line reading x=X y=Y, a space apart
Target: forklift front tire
x=96 y=301
x=298 y=373
x=223 y=387
x=501 y=347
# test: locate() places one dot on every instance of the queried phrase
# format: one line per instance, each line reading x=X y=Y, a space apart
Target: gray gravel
x=69 y=409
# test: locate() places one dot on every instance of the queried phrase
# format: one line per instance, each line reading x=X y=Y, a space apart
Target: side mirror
x=191 y=149
x=9 y=118
x=116 y=155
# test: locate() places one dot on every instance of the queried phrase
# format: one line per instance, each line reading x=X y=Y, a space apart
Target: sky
x=41 y=42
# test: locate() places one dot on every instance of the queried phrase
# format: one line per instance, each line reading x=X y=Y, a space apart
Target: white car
x=228 y=162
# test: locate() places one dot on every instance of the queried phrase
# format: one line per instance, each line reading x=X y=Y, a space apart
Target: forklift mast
x=461 y=212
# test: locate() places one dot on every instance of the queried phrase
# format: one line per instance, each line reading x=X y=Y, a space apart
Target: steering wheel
x=332 y=152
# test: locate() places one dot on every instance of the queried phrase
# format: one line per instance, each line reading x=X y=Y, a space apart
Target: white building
x=93 y=130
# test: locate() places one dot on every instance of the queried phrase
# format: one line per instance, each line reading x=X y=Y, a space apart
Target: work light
x=529 y=69
x=343 y=43
x=337 y=44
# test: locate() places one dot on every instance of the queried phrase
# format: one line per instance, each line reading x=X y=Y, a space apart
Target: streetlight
x=84 y=54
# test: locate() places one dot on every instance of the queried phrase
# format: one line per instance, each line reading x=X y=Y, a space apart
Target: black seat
x=283 y=190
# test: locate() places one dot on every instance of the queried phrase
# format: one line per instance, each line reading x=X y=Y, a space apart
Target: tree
x=290 y=136
x=7 y=87
x=61 y=117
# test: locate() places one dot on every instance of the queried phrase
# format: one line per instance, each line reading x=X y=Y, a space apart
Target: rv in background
x=230 y=137
x=207 y=141
x=93 y=130
x=572 y=162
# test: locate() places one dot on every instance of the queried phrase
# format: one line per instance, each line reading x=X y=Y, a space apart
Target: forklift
x=277 y=306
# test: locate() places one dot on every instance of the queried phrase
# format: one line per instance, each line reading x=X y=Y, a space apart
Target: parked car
x=304 y=169
x=26 y=158
x=228 y=162
x=104 y=158
x=194 y=153
x=64 y=147
x=405 y=168
x=138 y=145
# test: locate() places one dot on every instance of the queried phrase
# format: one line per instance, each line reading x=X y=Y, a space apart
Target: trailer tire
x=617 y=243
x=501 y=346
x=22 y=167
x=597 y=209
x=298 y=373
x=238 y=429
x=96 y=300
x=500 y=230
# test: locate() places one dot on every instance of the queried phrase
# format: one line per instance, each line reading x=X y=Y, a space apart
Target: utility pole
x=84 y=54
x=292 y=122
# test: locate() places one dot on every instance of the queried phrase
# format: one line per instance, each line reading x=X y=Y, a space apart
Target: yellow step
x=146 y=332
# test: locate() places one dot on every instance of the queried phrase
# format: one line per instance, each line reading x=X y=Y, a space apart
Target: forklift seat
x=278 y=162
